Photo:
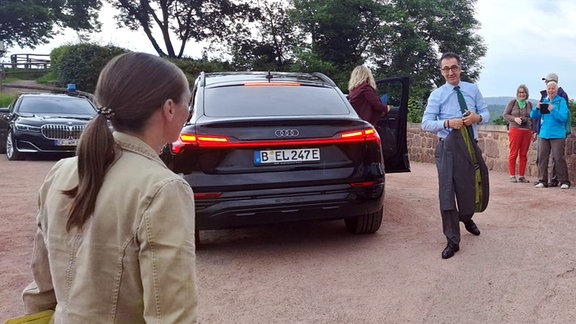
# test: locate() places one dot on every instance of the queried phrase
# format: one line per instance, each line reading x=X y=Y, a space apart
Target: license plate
x=287 y=156
x=66 y=142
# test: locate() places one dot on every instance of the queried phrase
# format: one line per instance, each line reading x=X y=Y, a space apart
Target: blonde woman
x=363 y=97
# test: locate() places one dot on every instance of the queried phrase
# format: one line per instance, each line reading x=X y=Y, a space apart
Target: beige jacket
x=134 y=261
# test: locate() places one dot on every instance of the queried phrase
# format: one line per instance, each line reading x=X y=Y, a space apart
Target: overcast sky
x=526 y=40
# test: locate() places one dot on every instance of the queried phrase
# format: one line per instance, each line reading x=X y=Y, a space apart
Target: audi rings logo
x=286 y=133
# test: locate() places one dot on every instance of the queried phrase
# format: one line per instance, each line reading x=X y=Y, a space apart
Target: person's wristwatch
x=480 y=119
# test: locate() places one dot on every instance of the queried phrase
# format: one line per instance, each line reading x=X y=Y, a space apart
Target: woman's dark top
x=365 y=101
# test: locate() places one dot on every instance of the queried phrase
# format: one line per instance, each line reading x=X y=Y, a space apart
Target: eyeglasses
x=453 y=68
x=521 y=92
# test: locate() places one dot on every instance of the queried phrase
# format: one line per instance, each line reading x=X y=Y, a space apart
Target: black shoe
x=450 y=250
x=471 y=227
x=553 y=183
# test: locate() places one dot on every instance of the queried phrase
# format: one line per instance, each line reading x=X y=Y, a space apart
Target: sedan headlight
x=27 y=128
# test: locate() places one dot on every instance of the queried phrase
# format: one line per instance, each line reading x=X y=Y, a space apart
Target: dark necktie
x=461 y=100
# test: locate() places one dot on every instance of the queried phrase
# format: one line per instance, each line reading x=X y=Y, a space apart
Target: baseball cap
x=551 y=77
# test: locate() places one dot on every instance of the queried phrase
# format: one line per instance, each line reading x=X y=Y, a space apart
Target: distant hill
x=498 y=101
x=496 y=105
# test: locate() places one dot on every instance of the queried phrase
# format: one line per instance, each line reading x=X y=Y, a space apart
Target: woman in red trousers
x=517 y=113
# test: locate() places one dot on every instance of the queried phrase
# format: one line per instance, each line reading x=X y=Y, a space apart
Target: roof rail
x=324 y=78
x=202 y=78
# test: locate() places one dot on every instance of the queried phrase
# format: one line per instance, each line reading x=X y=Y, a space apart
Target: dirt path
x=522 y=268
x=28 y=86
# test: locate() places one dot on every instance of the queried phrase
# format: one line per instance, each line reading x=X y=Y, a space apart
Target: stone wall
x=493 y=140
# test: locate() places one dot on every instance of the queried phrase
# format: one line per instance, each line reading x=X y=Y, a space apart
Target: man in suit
x=444 y=115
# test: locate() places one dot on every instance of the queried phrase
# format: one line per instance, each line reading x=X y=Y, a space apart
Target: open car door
x=392 y=127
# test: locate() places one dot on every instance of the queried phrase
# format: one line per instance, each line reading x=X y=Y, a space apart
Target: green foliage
x=270 y=41
x=572 y=108
x=416 y=108
x=29 y=23
x=81 y=64
x=49 y=77
x=395 y=38
x=192 y=68
x=499 y=121
x=6 y=99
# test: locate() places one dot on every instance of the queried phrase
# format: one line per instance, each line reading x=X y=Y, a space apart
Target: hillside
x=496 y=105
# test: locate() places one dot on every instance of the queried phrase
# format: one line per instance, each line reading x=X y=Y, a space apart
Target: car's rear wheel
x=365 y=224
x=11 y=150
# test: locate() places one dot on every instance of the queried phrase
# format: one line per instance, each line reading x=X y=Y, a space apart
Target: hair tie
x=106 y=112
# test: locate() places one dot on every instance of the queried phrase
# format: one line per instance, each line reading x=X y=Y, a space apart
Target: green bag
x=44 y=317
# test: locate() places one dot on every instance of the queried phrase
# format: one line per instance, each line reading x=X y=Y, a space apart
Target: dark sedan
x=43 y=123
x=265 y=147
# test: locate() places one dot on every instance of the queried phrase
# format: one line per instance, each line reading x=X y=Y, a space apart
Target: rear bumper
x=258 y=207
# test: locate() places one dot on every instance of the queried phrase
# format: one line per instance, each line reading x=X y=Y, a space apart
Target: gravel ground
x=521 y=269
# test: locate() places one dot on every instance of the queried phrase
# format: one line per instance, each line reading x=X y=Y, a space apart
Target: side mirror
x=4 y=112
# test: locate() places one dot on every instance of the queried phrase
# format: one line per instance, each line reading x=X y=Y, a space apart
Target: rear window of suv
x=255 y=101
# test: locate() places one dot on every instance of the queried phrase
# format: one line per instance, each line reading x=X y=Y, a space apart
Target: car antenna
x=269 y=77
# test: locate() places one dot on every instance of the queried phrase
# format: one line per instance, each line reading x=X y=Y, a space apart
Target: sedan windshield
x=56 y=106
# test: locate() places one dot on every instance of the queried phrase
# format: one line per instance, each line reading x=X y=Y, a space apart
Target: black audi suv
x=272 y=147
x=37 y=123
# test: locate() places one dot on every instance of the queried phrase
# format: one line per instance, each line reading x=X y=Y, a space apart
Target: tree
x=29 y=23
x=396 y=37
x=188 y=20
x=422 y=30
x=269 y=41
x=340 y=31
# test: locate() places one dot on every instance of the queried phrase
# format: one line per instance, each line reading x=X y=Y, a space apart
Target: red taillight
x=364 y=184
x=214 y=141
x=207 y=195
x=361 y=135
x=271 y=84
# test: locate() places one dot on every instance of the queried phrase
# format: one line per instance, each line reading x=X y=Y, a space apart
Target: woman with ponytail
x=115 y=235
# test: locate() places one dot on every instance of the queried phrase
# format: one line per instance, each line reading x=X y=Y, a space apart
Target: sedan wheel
x=11 y=150
x=365 y=224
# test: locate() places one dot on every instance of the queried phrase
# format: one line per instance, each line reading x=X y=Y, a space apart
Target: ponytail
x=95 y=155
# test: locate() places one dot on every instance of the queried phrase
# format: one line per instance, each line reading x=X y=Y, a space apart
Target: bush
x=192 y=68
x=6 y=99
x=415 y=110
x=81 y=64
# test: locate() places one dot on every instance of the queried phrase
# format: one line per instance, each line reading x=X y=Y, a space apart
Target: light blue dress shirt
x=443 y=104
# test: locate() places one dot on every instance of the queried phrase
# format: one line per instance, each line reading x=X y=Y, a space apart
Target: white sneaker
x=539 y=185
x=565 y=186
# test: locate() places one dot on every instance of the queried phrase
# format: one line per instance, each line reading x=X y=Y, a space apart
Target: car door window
x=392 y=126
